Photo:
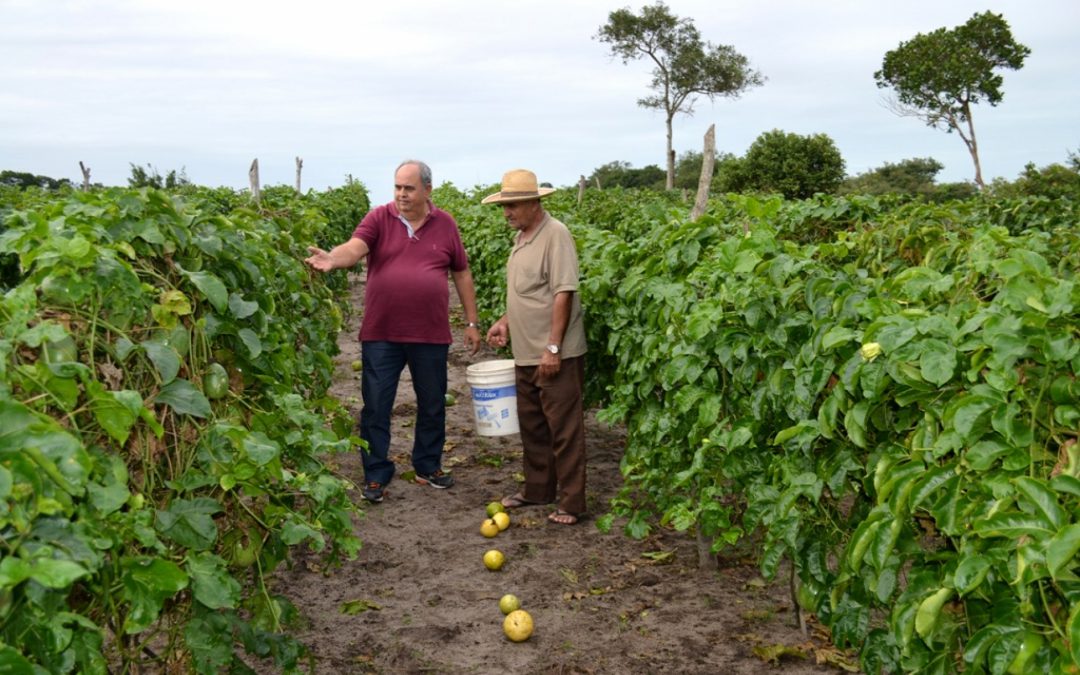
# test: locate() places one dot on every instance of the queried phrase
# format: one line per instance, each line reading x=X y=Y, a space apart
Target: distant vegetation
x=800 y=166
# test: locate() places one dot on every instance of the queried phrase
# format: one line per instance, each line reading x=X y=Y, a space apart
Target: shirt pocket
x=530 y=283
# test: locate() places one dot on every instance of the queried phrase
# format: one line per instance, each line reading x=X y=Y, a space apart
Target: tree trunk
x=85 y=176
x=707 y=161
x=670 y=183
x=299 y=166
x=253 y=178
x=973 y=148
x=581 y=190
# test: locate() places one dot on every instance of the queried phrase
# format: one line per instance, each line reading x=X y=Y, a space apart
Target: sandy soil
x=419 y=599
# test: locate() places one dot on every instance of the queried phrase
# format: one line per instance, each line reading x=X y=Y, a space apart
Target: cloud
x=476 y=88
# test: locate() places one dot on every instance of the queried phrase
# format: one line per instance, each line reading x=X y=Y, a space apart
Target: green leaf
x=976 y=648
x=1074 y=632
x=1013 y=525
x=147 y=584
x=1062 y=548
x=165 y=359
x=927 y=483
x=838 y=335
x=124 y=347
x=1008 y=421
x=184 y=398
x=13 y=571
x=855 y=423
x=14 y=663
x=211 y=582
x=1066 y=484
x=260 y=449
x=937 y=363
x=209 y=635
x=211 y=287
x=7 y=481
x=115 y=411
x=969 y=416
x=971 y=572
x=1044 y=499
x=983 y=454
x=112 y=492
x=251 y=341
x=895 y=334
x=189 y=522
x=241 y=308
x=295 y=531
x=52 y=573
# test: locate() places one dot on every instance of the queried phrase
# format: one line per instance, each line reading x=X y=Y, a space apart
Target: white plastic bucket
x=494 y=397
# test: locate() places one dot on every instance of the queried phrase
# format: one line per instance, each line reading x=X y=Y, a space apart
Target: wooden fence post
x=253 y=178
x=581 y=189
x=85 y=176
x=299 y=165
x=707 y=161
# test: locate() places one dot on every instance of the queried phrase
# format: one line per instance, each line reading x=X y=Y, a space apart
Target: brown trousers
x=552 y=421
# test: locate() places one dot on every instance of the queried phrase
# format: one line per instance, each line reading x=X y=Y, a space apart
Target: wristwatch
x=472 y=324
x=554 y=349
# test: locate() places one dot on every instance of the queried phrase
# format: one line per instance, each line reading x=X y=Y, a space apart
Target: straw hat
x=518 y=185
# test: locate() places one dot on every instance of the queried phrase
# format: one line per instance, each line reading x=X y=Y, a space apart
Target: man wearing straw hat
x=410 y=246
x=544 y=326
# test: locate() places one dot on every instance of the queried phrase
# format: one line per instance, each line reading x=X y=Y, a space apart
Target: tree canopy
x=796 y=166
x=939 y=76
x=686 y=66
x=25 y=179
x=622 y=174
x=907 y=177
x=149 y=177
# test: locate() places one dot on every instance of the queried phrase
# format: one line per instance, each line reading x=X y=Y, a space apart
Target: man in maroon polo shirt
x=410 y=246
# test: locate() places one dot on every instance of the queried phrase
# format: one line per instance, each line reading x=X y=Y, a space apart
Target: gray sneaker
x=374 y=492
x=436 y=480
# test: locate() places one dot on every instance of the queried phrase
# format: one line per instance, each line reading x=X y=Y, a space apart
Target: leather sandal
x=561 y=517
x=516 y=501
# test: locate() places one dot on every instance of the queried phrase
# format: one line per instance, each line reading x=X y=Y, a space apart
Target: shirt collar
x=405 y=221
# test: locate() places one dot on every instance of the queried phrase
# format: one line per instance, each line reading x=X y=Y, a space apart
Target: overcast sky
x=475 y=88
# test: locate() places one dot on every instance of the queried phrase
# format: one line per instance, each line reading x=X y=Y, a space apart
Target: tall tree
x=686 y=66
x=939 y=76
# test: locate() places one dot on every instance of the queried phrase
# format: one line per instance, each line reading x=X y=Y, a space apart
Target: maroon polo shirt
x=407 y=297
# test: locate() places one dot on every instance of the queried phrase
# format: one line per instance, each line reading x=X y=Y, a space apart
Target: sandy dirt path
x=602 y=603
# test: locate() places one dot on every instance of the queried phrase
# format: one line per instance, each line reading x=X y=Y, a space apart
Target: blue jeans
x=383 y=363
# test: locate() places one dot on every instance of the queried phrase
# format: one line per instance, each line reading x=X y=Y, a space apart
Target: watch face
x=554 y=349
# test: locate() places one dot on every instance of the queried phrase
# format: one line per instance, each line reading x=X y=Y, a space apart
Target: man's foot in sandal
x=562 y=517
x=516 y=501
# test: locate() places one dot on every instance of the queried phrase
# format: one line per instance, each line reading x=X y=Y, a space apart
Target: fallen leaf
x=659 y=557
x=354 y=607
x=773 y=653
x=757 y=615
x=837 y=658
